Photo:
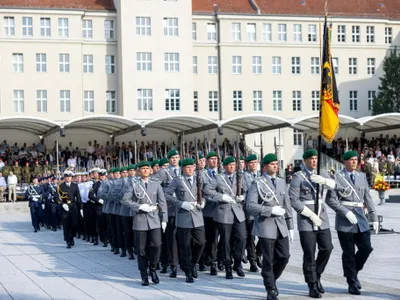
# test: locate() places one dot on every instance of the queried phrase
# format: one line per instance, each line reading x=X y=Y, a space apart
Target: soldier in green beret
x=164 y=163
x=155 y=166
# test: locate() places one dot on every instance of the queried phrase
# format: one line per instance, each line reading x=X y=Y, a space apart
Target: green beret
x=111 y=170
x=251 y=157
x=228 y=160
x=187 y=162
x=349 y=154
x=124 y=169
x=143 y=163
x=309 y=153
x=163 y=161
x=155 y=162
x=201 y=156
x=241 y=157
x=131 y=167
x=212 y=154
x=180 y=163
x=172 y=153
x=269 y=158
x=117 y=170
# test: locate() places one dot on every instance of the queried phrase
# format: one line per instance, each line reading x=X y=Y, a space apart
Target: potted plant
x=381 y=186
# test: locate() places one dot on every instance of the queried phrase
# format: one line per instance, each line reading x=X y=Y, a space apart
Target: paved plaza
x=37 y=266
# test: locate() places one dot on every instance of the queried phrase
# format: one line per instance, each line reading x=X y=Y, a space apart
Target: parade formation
x=207 y=214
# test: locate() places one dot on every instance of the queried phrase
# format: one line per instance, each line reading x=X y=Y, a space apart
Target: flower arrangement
x=380 y=184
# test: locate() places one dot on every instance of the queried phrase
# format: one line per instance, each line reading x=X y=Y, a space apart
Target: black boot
x=172 y=273
x=189 y=276
x=116 y=251
x=69 y=245
x=194 y=271
x=221 y=266
x=253 y=267
x=34 y=230
x=313 y=292
x=72 y=242
x=83 y=237
x=131 y=256
x=213 y=269
x=244 y=259
x=79 y=236
x=154 y=276
x=202 y=267
x=259 y=264
x=96 y=241
x=88 y=239
x=145 y=278
x=105 y=244
x=123 y=253
x=239 y=271
x=320 y=288
x=228 y=272
x=164 y=269
x=272 y=295
x=54 y=229
x=92 y=240
x=353 y=289
x=112 y=248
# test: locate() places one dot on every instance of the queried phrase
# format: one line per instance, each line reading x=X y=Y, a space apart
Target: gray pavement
x=37 y=266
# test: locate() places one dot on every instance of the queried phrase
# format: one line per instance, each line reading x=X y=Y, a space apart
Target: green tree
x=387 y=99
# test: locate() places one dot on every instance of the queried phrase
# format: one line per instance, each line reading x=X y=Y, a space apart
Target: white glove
x=375 y=225
x=187 y=206
x=330 y=183
x=145 y=207
x=65 y=206
x=153 y=207
x=163 y=226
x=239 y=199
x=36 y=199
x=278 y=211
x=291 y=235
x=312 y=216
x=101 y=201
x=201 y=206
x=43 y=206
x=351 y=217
x=81 y=212
x=227 y=198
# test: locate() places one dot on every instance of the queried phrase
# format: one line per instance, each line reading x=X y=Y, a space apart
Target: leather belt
x=310 y=202
x=351 y=203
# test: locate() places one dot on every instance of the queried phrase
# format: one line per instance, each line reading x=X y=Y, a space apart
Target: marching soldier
x=146 y=198
x=164 y=163
x=97 y=218
x=189 y=218
x=70 y=201
x=106 y=209
x=313 y=228
x=348 y=200
x=251 y=176
x=229 y=216
x=268 y=202
x=155 y=166
x=34 y=195
x=52 y=203
x=84 y=189
x=26 y=173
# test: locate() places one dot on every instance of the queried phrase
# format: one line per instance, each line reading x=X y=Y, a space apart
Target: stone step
x=19 y=206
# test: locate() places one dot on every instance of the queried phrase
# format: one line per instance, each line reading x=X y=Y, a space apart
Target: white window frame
x=212 y=101
x=88 y=101
x=341 y=33
x=195 y=101
x=353 y=100
x=276 y=65
x=236 y=64
x=296 y=65
x=297 y=138
x=45 y=27
x=388 y=35
x=312 y=32
x=296 y=101
x=109 y=29
x=211 y=31
x=111 y=102
x=9 y=26
x=144 y=99
x=171 y=27
x=87 y=29
x=27 y=26
x=297 y=33
x=371 y=97
x=18 y=62
x=41 y=101
x=371 y=66
x=63 y=27
x=356 y=34
x=171 y=62
x=237 y=101
x=257 y=101
x=251 y=29
x=315 y=100
x=315 y=66
x=267 y=32
x=353 y=69
x=110 y=64
x=41 y=62
x=194 y=31
x=370 y=34
x=143 y=26
x=172 y=100
x=213 y=65
x=282 y=32
x=277 y=100
x=335 y=63
x=144 y=61
x=87 y=63
x=63 y=63
x=195 y=67
x=256 y=64
x=18 y=101
x=236 y=31
x=65 y=101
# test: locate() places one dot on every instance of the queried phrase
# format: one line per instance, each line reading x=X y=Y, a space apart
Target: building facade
x=149 y=59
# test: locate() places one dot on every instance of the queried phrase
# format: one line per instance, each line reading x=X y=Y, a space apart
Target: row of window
x=63 y=63
x=62 y=27
x=297 y=102
x=64 y=101
x=281 y=34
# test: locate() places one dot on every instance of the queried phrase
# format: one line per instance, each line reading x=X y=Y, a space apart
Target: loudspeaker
x=220 y=131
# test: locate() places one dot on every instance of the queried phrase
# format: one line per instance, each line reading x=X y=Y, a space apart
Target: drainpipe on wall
x=217 y=22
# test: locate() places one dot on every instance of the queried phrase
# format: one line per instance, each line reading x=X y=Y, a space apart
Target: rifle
x=218 y=154
x=238 y=169
x=198 y=175
x=245 y=154
x=136 y=156
x=261 y=147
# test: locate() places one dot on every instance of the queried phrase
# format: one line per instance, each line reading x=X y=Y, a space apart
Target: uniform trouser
x=35 y=215
x=86 y=219
x=235 y=232
x=313 y=268
x=353 y=261
x=164 y=249
x=111 y=219
x=211 y=235
x=120 y=233
x=98 y=222
x=128 y=232
x=148 y=245
x=191 y=241
x=54 y=209
x=250 y=244
x=81 y=224
x=275 y=258
x=69 y=221
x=172 y=247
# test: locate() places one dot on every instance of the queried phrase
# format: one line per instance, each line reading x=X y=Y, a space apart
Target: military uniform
x=17 y=170
x=97 y=219
x=52 y=205
x=104 y=189
x=26 y=174
x=37 y=170
x=34 y=194
x=116 y=219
